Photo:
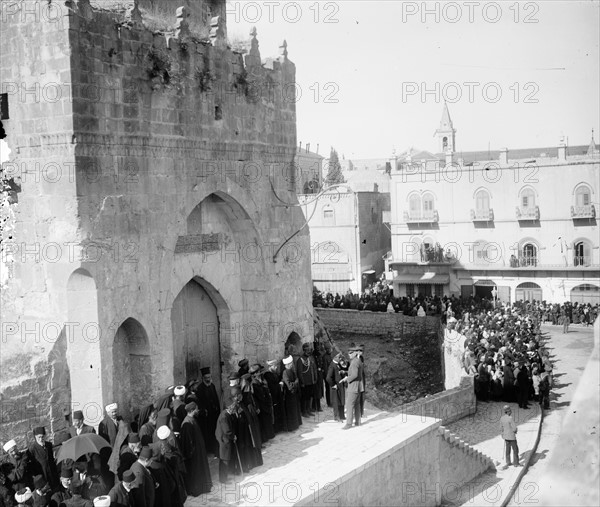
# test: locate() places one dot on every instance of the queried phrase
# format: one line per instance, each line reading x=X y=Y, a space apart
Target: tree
x=334 y=173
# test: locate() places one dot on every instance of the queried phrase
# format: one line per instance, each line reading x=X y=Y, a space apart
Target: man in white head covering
x=178 y=405
x=21 y=474
x=23 y=496
x=109 y=426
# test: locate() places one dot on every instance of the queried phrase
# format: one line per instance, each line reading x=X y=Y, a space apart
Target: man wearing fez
x=225 y=433
x=210 y=407
x=42 y=457
x=335 y=376
x=144 y=482
x=291 y=395
x=197 y=478
x=364 y=374
x=77 y=500
x=355 y=385
x=79 y=427
x=306 y=368
x=178 y=405
x=62 y=493
x=19 y=471
x=41 y=491
x=121 y=494
x=129 y=453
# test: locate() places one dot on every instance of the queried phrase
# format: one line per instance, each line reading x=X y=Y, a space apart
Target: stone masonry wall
x=376 y=323
x=165 y=159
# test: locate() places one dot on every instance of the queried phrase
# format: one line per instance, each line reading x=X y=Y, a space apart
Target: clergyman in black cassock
x=197 y=477
x=210 y=407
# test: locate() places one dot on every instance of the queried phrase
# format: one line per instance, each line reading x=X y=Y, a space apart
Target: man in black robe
x=109 y=426
x=144 y=496
x=178 y=404
x=42 y=457
x=62 y=493
x=121 y=495
x=208 y=403
x=291 y=395
x=19 y=469
x=326 y=362
x=275 y=385
x=197 y=479
x=225 y=433
x=262 y=397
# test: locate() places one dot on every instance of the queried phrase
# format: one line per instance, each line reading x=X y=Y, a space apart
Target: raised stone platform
x=391 y=459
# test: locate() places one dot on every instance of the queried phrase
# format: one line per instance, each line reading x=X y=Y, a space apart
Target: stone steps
x=467 y=448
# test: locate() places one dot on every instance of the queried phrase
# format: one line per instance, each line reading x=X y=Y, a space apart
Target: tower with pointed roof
x=446 y=132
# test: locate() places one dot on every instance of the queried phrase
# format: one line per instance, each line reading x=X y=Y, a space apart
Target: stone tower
x=446 y=132
x=153 y=226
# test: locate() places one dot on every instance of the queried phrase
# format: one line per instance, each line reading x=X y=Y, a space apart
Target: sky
x=373 y=75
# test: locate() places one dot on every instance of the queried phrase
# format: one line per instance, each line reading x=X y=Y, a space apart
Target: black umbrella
x=77 y=446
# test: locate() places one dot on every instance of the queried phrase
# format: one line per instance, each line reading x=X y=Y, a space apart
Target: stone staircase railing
x=454 y=440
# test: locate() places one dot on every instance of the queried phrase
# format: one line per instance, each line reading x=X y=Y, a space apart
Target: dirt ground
x=398 y=371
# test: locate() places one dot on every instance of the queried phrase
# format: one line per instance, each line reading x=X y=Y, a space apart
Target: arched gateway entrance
x=195 y=326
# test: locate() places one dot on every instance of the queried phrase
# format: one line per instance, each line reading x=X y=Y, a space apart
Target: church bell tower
x=446 y=133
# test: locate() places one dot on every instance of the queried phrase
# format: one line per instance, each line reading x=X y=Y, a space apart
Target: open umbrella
x=77 y=446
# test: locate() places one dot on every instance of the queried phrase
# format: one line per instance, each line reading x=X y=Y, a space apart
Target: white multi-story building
x=516 y=224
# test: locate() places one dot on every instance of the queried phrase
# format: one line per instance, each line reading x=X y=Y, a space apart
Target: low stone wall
x=376 y=323
x=449 y=406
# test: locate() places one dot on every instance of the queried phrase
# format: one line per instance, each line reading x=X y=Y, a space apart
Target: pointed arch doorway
x=195 y=326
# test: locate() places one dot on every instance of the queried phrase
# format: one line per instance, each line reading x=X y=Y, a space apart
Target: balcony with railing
x=482 y=215
x=582 y=260
x=588 y=211
x=421 y=217
x=524 y=213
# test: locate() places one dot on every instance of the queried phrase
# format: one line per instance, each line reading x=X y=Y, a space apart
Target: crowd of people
x=162 y=456
x=505 y=346
x=379 y=298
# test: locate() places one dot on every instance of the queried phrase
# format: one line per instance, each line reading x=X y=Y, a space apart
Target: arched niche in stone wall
x=221 y=230
x=83 y=346
x=132 y=368
x=196 y=317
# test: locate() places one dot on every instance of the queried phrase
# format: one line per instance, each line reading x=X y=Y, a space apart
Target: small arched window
x=583 y=196
x=414 y=204
x=482 y=201
x=528 y=199
x=428 y=204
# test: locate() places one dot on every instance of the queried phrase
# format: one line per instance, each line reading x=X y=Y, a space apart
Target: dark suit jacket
x=119 y=497
x=145 y=485
x=84 y=429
